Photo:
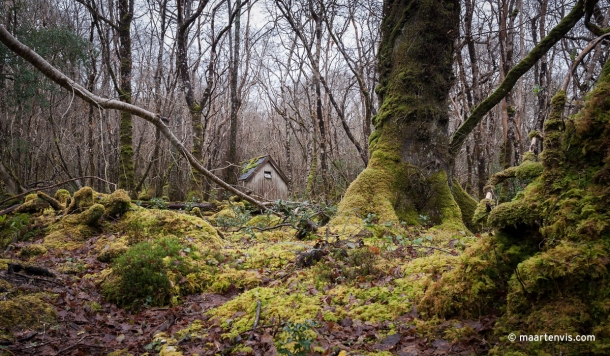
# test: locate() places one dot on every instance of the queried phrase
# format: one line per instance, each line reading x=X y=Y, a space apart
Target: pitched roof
x=252 y=166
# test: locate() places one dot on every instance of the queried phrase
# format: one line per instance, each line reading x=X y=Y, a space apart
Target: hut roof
x=250 y=167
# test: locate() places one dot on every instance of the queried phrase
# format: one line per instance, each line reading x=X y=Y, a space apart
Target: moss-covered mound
x=155 y=273
x=546 y=272
x=26 y=311
x=145 y=224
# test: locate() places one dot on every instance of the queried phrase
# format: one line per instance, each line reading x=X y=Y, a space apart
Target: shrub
x=148 y=274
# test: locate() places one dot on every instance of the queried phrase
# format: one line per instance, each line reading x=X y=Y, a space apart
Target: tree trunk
x=232 y=170
x=407 y=174
x=126 y=169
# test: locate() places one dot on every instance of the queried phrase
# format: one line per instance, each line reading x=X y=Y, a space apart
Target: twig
x=257 y=317
x=37 y=279
x=74 y=345
x=261 y=229
x=8 y=210
x=453 y=253
x=55 y=185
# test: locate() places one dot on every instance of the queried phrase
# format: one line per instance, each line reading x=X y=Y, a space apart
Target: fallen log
x=181 y=206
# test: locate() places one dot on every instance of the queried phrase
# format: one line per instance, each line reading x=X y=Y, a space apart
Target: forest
x=304 y=177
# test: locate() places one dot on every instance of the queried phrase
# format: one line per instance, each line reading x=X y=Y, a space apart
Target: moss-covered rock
x=107 y=251
x=143 y=224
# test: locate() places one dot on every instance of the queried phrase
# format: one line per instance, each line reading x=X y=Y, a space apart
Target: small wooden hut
x=262 y=177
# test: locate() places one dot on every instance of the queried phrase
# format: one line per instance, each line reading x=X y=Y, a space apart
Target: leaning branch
x=514 y=74
x=65 y=82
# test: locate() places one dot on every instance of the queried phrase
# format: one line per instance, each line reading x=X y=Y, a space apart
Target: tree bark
x=407 y=174
x=126 y=168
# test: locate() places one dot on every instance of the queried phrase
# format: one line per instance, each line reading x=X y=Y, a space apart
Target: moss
x=116 y=204
x=33 y=250
x=91 y=216
x=249 y=164
x=62 y=196
x=26 y=311
x=467 y=205
x=470 y=289
x=107 y=251
x=235 y=279
x=140 y=224
x=82 y=200
x=68 y=236
x=152 y=273
x=146 y=194
x=33 y=204
x=122 y=352
x=481 y=213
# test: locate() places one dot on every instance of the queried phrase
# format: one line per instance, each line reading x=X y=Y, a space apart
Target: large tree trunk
x=407 y=174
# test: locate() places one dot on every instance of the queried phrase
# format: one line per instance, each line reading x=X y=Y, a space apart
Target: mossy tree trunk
x=195 y=108
x=126 y=167
x=407 y=174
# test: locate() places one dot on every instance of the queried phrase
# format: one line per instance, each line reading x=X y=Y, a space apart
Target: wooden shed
x=262 y=177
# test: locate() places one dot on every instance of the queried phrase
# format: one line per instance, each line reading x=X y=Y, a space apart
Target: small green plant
x=239 y=217
x=159 y=203
x=370 y=220
x=142 y=274
x=16 y=228
x=299 y=338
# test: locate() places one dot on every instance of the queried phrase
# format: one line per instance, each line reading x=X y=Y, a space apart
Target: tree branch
x=514 y=74
x=65 y=82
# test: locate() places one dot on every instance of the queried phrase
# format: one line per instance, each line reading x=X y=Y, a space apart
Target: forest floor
x=347 y=291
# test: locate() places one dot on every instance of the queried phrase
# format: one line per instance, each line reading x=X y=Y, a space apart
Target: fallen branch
x=257 y=317
x=104 y=103
x=261 y=229
x=75 y=344
x=8 y=210
x=54 y=185
x=453 y=253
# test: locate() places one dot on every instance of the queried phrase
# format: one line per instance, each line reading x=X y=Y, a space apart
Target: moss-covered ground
x=211 y=277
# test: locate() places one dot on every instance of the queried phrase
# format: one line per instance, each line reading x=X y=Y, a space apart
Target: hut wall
x=269 y=188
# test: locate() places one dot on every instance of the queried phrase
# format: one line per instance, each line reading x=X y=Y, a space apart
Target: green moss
x=92 y=215
x=141 y=223
x=82 y=200
x=62 y=196
x=470 y=289
x=116 y=204
x=32 y=250
x=467 y=205
x=32 y=204
x=150 y=273
x=26 y=311
x=249 y=164
x=107 y=251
